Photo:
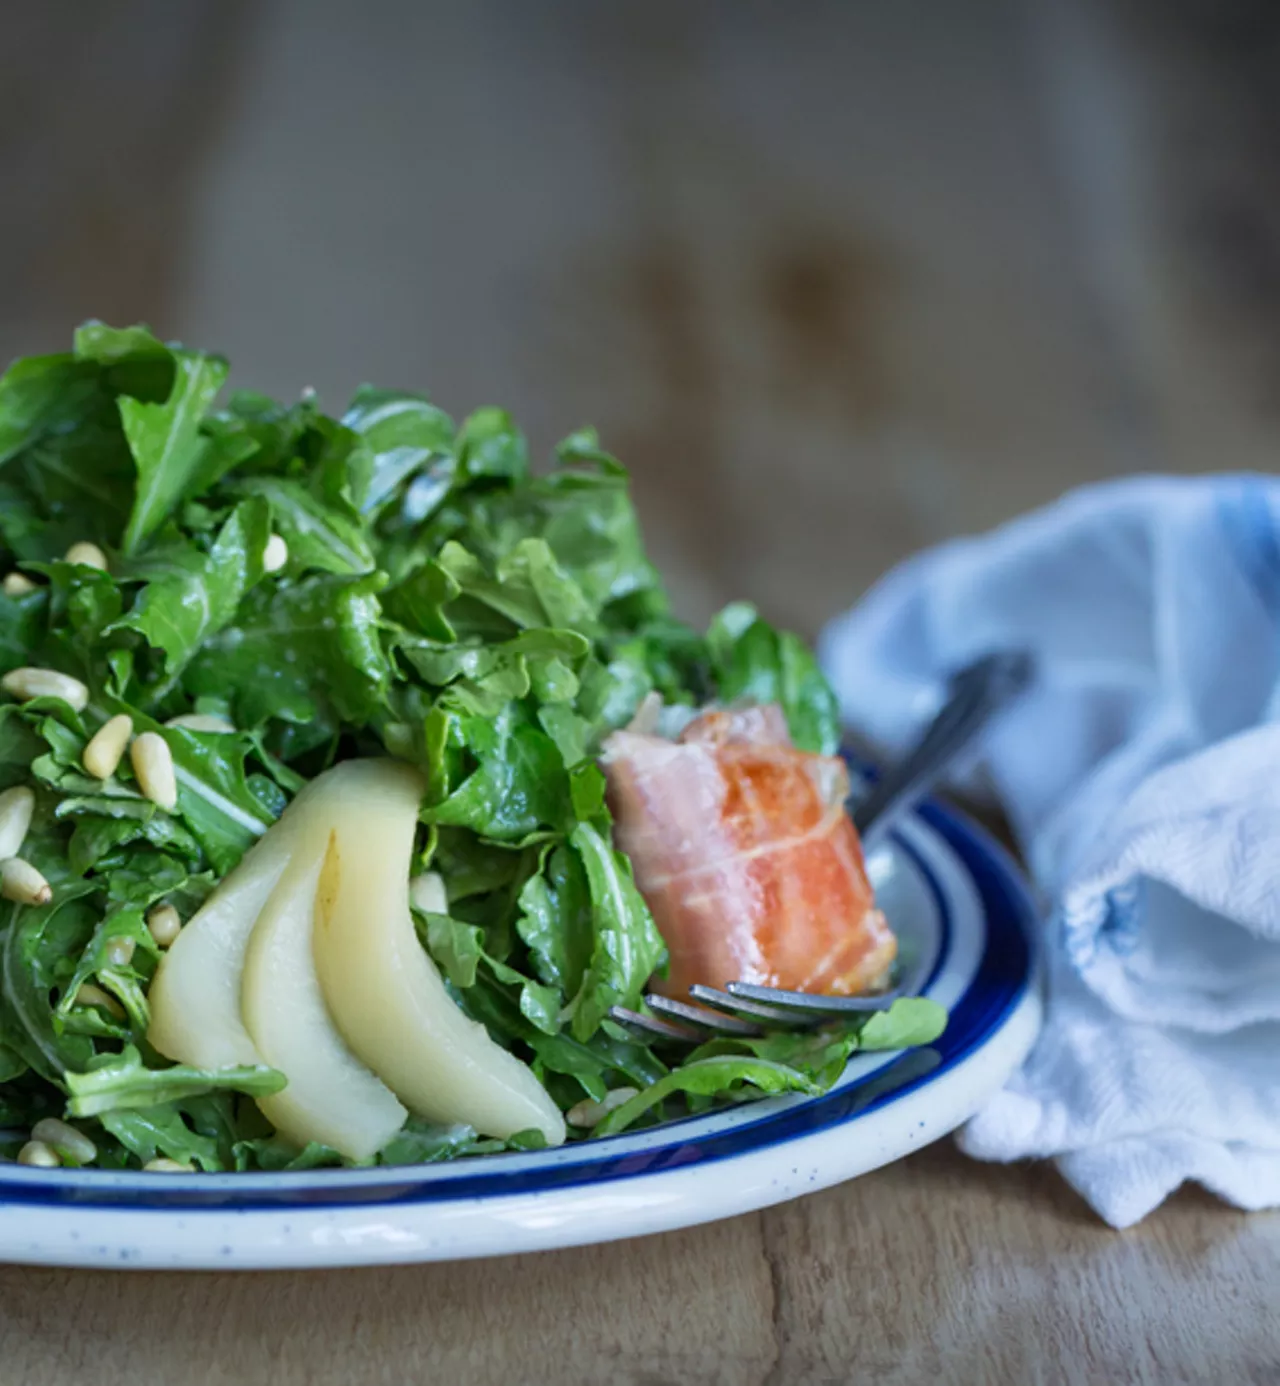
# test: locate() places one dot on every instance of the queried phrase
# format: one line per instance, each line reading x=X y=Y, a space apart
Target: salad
x=307 y=831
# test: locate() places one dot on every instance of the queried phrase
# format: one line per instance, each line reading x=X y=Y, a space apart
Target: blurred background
x=837 y=279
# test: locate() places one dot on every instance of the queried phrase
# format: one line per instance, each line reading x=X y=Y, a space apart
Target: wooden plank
x=936 y=1269
x=807 y=266
x=942 y=1270
x=106 y=114
x=1165 y=117
x=690 y=1306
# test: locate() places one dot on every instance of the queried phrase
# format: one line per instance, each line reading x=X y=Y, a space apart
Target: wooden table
x=934 y=1270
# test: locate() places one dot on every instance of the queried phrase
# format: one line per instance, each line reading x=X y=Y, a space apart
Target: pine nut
x=275 y=555
x=588 y=1113
x=16 y=807
x=201 y=722
x=106 y=746
x=167 y=1166
x=164 y=924
x=65 y=1140
x=27 y=683
x=39 y=1155
x=427 y=893
x=17 y=585
x=153 y=765
x=119 y=951
x=22 y=883
x=87 y=555
x=90 y=995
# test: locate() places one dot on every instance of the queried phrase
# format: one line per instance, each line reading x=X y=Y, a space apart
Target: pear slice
x=381 y=988
x=195 y=994
x=330 y=1097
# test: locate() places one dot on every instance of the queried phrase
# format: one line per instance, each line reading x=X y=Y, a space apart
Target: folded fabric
x=1142 y=776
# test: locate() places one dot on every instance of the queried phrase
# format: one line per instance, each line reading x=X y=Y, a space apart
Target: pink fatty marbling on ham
x=742 y=847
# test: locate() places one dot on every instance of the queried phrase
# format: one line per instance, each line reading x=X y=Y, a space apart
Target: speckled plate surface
x=967 y=932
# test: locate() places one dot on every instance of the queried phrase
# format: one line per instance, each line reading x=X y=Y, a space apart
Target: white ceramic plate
x=967 y=933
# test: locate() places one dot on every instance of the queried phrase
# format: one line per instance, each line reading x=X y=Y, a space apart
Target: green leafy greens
x=440 y=602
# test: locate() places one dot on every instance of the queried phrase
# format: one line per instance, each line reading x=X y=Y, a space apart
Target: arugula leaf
x=21 y=619
x=627 y=947
x=197 y=1131
x=583 y=513
x=404 y=435
x=303 y=653
x=251 y=427
x=786 y=1061
x=490 y=445
x=532 y=563
x=540 y=1005
x=277 y=1153
x=133 y=360
x=124 y=981
x=160 y=1131
x=709 y=1077
x=41 y=393
x=607 y=1055
x=107 y=823
x=37 y=950
x=510 y=596
x=440 y=662
x=612 y=692
x=518 y=787
x=420 y=1143
x=215 y=801
x=145 y=876
x=456 y=947
x=418 y=602
x=321 y=536
x=910 y=1022
x=193 y=595
x=68 y=464
x=758 y=664
x=556 y=921
x=574 y=735
x=165 y=441
x=116 y=1082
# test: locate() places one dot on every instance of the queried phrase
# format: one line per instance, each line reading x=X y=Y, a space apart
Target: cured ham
x=742 y=847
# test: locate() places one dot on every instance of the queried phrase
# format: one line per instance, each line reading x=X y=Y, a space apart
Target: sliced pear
x=313 y=980
x=195 y=994
x=331 y=1096
x=381 y=988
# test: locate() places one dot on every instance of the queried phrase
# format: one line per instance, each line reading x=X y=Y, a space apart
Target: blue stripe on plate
x=1004 y=973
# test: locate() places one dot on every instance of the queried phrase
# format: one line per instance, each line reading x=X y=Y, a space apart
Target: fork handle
x=977 y=693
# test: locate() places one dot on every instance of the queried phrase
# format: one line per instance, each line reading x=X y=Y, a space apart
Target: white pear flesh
x=331 y=1097
x=195 y=994
x=239 y=986
x=382 y=989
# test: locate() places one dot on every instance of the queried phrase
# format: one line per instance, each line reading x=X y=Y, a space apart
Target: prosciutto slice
x=744 y=852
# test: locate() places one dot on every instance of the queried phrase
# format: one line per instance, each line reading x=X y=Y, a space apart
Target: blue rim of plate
x=1004 y=973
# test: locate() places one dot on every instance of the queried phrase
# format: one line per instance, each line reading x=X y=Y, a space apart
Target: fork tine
x=654 y=1025
x=714 y=1021
x=723 y=1012
x=812 y=1002
x=722 y=1001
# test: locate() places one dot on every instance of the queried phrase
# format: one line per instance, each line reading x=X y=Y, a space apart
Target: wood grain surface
x=935 y=1270
x=837 y=281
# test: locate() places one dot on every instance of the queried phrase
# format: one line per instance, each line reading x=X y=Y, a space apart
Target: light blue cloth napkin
x=1142 y=775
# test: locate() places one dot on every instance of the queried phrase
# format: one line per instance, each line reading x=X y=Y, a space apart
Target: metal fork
x=976 y=694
